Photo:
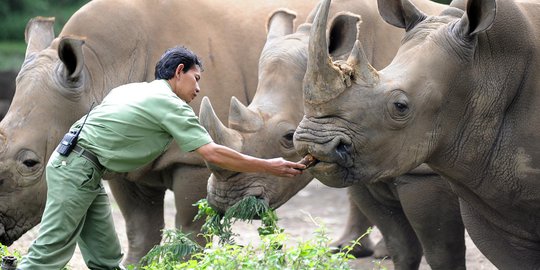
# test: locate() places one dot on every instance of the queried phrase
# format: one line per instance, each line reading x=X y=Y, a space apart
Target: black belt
x=88 y=155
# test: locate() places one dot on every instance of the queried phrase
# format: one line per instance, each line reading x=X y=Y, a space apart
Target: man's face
x=187 y=84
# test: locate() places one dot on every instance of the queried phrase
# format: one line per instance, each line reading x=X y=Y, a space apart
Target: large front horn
x=242 y=118
x=219 y=132
x=323 y=81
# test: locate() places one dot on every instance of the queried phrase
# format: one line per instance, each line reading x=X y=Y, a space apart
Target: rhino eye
x=30 y=163
x=401 y=106
x=398 y=109
x=287 y=140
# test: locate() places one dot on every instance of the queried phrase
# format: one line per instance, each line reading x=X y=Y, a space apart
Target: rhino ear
x=39 y=34
x=478 y=17
x=280 y=23
x=400 y=13
x=343 y=32
x=71 y=54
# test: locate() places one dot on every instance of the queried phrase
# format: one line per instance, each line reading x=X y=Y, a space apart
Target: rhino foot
x=380 y=251
x=361 y=250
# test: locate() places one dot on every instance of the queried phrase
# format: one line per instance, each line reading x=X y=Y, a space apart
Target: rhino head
x=50 y=95
x=265 y=128
x=367 y=125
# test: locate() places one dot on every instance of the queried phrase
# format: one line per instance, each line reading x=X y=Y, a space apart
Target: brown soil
x=299 y=217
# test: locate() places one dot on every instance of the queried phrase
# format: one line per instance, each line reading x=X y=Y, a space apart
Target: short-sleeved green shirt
x=136 y=122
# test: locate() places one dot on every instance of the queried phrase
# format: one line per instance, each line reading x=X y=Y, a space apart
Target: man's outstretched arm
x=232 y=160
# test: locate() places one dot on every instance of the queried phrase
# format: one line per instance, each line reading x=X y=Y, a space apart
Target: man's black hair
x=169 y=61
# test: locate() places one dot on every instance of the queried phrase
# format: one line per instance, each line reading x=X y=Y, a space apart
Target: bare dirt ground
x=317 y=202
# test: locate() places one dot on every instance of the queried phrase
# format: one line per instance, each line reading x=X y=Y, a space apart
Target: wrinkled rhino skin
x=265 y=128
x=110 y=43
x=461 y=95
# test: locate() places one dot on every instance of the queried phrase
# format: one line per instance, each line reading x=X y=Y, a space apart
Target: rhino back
x=140 y=31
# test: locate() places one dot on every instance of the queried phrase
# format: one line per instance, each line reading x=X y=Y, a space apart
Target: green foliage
x=246 y=209
x=12 y=55
x=15 y=14
x=4 y=251
x=176 y=245
x=272 y=253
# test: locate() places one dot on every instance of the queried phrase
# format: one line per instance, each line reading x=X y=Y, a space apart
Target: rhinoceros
x=7 y=89
x=462 y=96
x=265 y=128
x=105 y=44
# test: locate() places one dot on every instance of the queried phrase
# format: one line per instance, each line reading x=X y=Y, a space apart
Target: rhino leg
x=378 y=203
x=142 y=208
x=436 y=219
x=357 y=224
x=189 y=186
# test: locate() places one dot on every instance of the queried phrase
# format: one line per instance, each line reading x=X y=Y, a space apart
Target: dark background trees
x=15 y=14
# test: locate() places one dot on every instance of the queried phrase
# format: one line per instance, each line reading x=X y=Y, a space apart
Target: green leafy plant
x=176 y=246
x=272 y=253
x=246 y=209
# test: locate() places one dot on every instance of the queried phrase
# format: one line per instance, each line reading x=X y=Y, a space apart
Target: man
x=132 y=126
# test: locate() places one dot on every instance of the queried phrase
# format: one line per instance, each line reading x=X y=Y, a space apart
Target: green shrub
x=272 y=253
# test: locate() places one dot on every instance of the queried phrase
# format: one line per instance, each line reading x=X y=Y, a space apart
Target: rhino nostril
x=342 y=150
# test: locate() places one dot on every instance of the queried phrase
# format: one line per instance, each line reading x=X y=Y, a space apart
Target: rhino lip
x=4 y=238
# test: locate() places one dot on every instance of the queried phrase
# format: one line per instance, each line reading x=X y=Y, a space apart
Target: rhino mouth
x=223 y=195
x=223 y=208
x=5 y=239
x=12 y=228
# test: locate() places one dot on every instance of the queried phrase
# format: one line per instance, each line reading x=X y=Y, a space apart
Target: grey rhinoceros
x=7 y=89
x=265 y=128
x=462 y=95
x=105 y=44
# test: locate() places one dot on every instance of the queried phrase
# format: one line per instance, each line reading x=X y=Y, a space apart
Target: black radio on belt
x=70 y=139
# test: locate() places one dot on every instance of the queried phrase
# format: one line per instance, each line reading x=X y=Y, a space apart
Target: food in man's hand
x=308 y=160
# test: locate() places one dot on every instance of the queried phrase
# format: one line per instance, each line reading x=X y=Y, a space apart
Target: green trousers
x=77 y=212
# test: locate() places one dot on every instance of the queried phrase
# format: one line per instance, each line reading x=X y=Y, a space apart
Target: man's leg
x=64 y=214
x=98 y=240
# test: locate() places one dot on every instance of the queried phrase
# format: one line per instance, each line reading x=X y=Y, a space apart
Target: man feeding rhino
x=131 y=127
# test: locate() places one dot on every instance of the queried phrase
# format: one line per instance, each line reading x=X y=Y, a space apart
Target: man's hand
x=284 y=168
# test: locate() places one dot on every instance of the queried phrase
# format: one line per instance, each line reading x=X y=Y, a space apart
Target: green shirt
x=136 y=122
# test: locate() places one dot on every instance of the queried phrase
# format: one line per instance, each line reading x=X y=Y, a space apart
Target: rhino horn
x=219 y=132
x=280 y=23
x=322 y=81
x=242 y=118
x=39 y=34
x=362 y=69
x=70 y=53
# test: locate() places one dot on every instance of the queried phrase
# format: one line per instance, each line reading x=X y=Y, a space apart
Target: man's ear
x=179 y=69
